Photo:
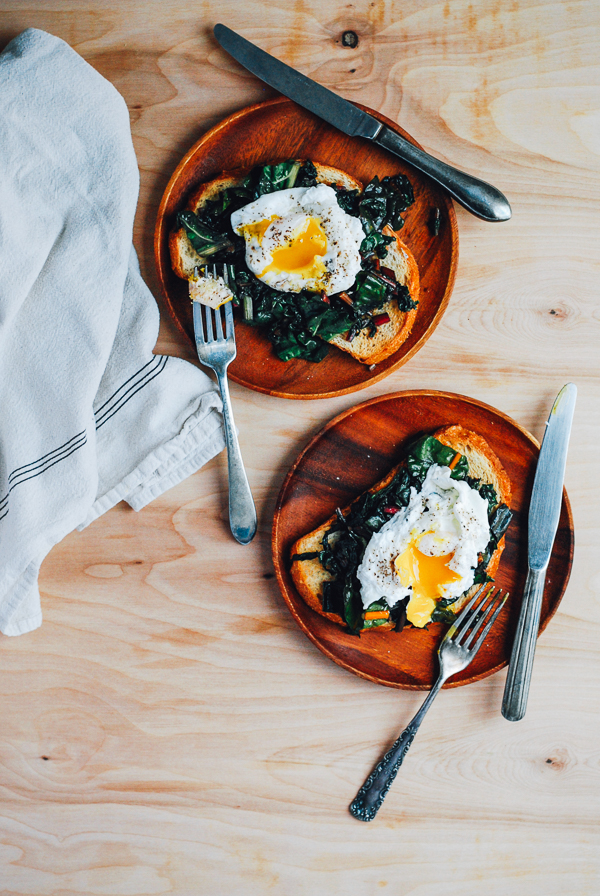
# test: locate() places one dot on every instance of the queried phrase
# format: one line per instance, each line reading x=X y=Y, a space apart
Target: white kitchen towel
x=89 y=416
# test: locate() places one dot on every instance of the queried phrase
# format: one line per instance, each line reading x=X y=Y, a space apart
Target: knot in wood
x=350 y=39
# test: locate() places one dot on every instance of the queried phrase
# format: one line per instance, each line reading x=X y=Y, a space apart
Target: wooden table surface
x=169 y=729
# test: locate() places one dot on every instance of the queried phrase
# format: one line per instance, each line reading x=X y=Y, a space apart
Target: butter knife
x=544 y=513
x=478 y=197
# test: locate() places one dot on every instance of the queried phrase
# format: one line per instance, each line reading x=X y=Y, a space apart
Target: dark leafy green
x=376 y=244
x=278 y=177
x=307 y=176
x=296 y=323
x=398 y=614
x=443 y=612
x=499 y=518
x=205 y=240
x=434 y=222
x=347 y=200
x=427 y=451
x=299 y=324
x=307 y=555
x=382 y=202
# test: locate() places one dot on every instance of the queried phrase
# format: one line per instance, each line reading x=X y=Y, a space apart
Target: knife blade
x=544 y=514
x=477 y=196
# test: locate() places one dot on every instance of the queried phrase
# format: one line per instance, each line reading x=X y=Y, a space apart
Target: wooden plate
x=352 y=453
x=276 y=130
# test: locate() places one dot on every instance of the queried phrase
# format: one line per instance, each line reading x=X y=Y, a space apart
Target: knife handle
x=516 y=689
x=478 y=197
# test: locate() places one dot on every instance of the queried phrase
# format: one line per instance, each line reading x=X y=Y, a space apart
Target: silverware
x=216 y=350
x=478 y=197
x=544 y=513
x=455 y=653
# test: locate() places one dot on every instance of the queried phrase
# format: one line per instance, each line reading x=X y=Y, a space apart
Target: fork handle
x=368 y=800
x=242 y=512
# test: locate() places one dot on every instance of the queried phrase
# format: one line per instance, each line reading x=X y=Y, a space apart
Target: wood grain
x=275 y=131
x=355 y=451
x=197 y=743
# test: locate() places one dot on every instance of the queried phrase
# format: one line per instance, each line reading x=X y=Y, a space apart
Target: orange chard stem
x=454 y=461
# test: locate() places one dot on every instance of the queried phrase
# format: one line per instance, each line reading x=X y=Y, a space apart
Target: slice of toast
x=389 y=336
x=366 y=349
x=309 y=575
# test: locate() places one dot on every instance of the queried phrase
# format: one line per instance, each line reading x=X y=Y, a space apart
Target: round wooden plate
x=351 y=454
x=276 y=130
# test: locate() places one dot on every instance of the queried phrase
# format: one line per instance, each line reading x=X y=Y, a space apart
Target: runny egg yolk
x=299 y=256
x=300 y=251
x=426 y=575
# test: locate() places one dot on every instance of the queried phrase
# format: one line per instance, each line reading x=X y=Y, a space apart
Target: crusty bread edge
x=407 y=318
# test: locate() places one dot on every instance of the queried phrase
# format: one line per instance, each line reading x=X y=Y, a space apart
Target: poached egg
x=301 y=239
x=429 y=549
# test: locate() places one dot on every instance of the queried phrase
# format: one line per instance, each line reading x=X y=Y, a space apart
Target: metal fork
x=216 y=350
x=455 y=653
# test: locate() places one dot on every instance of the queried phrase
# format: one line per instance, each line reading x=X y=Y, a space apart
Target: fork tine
x=219 y=324
x=209 y=327
x=482 y=636
x=464 y=615
x=229 y=320
x=228 y=308
x=481 y=615
x=198 y=323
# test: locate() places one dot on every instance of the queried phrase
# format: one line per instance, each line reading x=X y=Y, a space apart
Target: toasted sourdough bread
x=366 y=349
x=309 y=575
x=390 y=336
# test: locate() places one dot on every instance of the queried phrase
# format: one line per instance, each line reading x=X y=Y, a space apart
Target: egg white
x=275 y=221
x=446 y=516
